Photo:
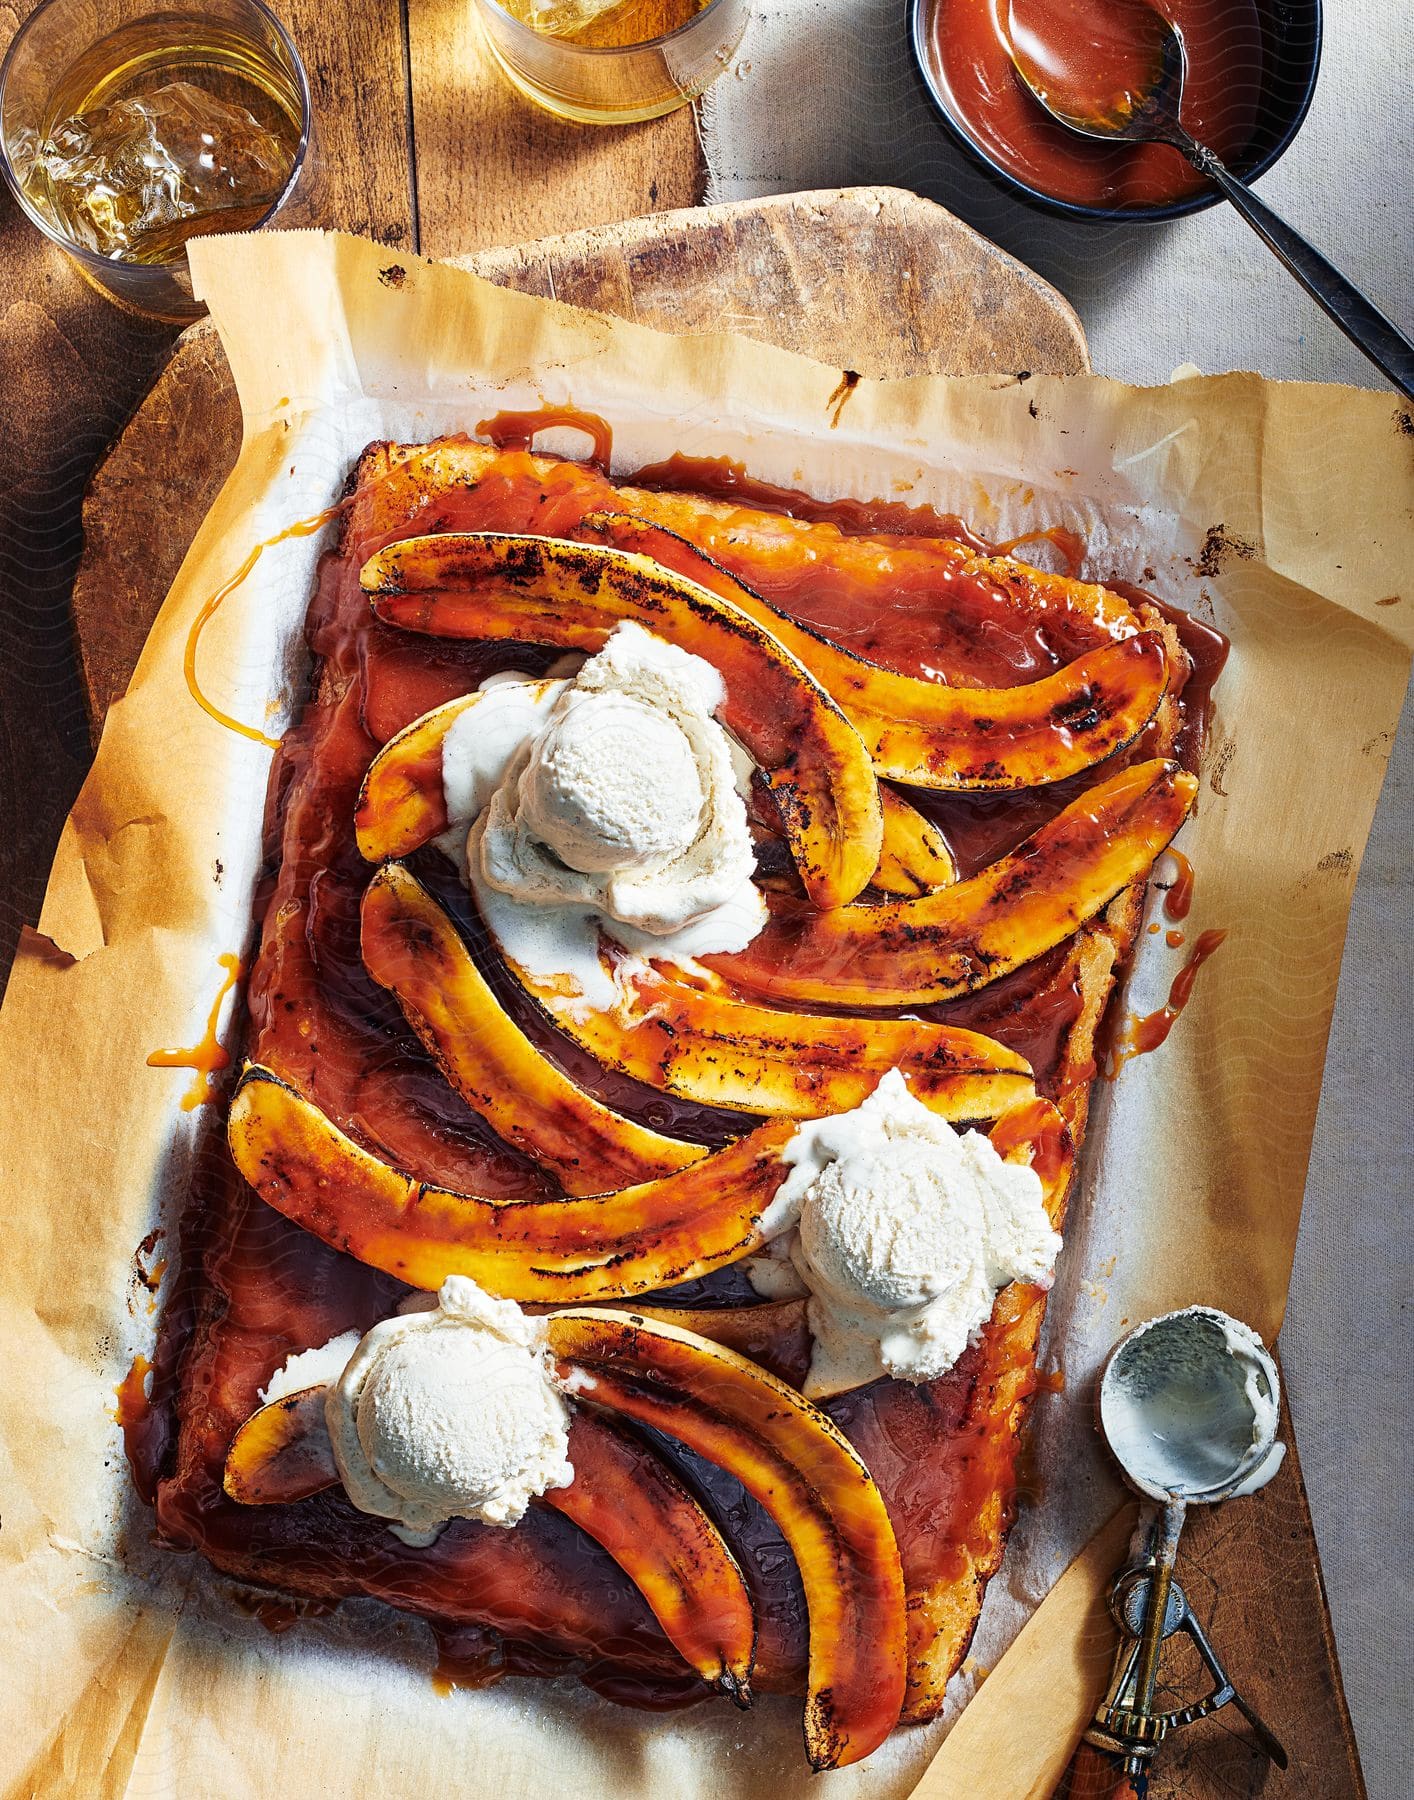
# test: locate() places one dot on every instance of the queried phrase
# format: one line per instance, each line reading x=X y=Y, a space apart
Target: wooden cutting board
x=880 y=281
x=872 y=279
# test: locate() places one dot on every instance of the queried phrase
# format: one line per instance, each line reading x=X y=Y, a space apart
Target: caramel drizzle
x=131 y=1392
x=518 y=430
x=848 y=382
x=300 y=528
x=210 y=1056
x=1070 y=544
x=1179 y=899
x=1142 y=1034
x=149 y=1277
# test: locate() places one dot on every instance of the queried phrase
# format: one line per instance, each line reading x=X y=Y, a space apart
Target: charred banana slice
x=411 y=947
x=549 y=591
x=622 y=1496
x=629 y=1242
x=924 y=732
x=964 y=936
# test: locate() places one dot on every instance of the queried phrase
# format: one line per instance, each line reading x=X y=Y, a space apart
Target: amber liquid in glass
x=605 y=24
x=167 y=128
x=610 y=62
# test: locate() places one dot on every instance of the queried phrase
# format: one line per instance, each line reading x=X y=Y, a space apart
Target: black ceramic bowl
x=1291 y=44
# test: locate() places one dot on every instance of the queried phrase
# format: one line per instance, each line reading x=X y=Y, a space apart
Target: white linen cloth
x=824 y=94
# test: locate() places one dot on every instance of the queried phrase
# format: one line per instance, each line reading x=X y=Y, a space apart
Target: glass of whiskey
x=128 y=127
x=611 y=62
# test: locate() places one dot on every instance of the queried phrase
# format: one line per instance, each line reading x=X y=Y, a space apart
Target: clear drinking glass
x=129 y=126
x=610 y=62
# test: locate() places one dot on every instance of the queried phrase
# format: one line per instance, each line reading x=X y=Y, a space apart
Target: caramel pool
x=967 y=48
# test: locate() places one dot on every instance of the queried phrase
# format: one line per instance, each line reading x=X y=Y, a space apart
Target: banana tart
x=689 y=914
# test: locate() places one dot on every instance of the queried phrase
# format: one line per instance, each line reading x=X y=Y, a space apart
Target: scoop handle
x=1358 y=317
x=1094 y=1776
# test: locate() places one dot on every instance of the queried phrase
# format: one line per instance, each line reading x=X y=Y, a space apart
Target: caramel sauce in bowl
x=1252 y=67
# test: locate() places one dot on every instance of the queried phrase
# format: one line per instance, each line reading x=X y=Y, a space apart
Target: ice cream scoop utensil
x=1147 y=112
x=1188 y=1407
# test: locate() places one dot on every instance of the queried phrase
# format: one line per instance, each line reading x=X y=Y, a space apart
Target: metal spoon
x=1188 y=1407
x=1148 y=113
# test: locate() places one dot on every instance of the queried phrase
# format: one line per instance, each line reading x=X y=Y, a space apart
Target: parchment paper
x=1283 y=512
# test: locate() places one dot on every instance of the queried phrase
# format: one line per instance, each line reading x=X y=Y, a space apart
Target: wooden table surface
x=419 y=145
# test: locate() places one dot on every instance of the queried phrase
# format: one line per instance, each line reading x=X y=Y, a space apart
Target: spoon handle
x=1151 y=1639
x=1360 y=319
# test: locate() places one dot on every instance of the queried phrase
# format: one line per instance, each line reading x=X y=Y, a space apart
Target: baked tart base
x=544 y=1599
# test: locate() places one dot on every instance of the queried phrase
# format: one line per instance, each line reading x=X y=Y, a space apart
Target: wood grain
x=870 y=279
x=358 y=173
x=493 y=169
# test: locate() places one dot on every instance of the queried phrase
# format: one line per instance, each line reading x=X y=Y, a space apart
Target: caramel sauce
x=1143 y=1034
x=300 y=528
x=148 y=1276
x=723 y=478
x=132 y=1393
x=209 y=1057
x=517 y=430
x=1179 y=899
x=134 y=1412
x=543 y=1599
x=1034 y=1127
x=1207 y=649
x=1031 y=1011
x=660 y=1693
x=982 y=828
x=472 y=1657
x=468 y=1656
x=1069 y=543
x=1088 y=52
x=277 y=1614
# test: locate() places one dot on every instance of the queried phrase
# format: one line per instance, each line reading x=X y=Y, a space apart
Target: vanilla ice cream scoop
x=450 y=1413
x=614 y=784
x=625 y=799
x=906 y=1232
x=919 y=1243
